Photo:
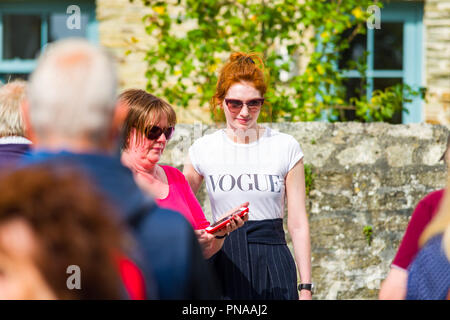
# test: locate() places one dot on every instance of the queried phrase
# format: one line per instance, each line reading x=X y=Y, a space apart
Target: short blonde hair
x=12 y=95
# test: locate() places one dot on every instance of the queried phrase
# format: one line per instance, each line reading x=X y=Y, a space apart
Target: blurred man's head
x=72 y=96
x=11 y=97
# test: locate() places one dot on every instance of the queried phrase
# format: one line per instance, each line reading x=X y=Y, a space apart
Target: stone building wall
x=364 y=175
x=437 y=60
x=121 y=29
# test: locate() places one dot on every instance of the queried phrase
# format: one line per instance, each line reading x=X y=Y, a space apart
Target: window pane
x=58 y=29
x=388 y=52
x=21 y=36
x=8 y=77
x=355 y=51
x=355 y=87
x=383 y=83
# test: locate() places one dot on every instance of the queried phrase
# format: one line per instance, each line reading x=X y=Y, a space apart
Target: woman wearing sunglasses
x=249 y=162
x=149 y=125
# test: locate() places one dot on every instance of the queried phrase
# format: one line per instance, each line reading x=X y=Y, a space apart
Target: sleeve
x=195 y=207
x=191 y=200
x=295 y=153
x=410 y=242
x=194 y=157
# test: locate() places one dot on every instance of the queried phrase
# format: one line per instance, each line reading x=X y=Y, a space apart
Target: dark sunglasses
x=252 y=105
x=155 y=132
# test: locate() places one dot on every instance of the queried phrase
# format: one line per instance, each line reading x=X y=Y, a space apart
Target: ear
x=118 y=120
x=25 y=112
x=120 y=114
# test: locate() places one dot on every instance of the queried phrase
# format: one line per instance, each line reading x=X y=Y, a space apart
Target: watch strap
x=305 y=286
x=221 y=237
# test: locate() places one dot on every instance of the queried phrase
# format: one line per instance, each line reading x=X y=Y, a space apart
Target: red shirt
x=182 y=199
x=425 y=210
x=132 y=278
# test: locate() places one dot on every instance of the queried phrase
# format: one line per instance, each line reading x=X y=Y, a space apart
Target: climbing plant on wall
x=195 y=37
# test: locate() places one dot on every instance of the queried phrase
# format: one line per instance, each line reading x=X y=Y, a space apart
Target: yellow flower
x=310 y=79
x=357 y=13
x=159 y=9
x=177 y=72
x=325 y=35
x=212 y=68
x=320 y=69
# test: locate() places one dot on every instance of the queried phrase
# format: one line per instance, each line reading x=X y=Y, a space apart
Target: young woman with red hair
x=250 y=162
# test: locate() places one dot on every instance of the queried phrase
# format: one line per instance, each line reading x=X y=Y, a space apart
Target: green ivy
x=368 y=232
x=183 y=66
x=309 y=178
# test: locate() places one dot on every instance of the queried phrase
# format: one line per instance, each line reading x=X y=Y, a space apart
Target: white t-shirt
x=236 y=173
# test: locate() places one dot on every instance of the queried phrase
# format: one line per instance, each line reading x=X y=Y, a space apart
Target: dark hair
x=67 y=216
x=144 y=111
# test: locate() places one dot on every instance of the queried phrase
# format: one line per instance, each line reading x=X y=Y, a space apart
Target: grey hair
x=12 y=95
x=72 y=92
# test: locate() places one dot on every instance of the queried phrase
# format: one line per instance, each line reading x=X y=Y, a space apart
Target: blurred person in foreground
x=50 y=220
x=13 y=143
x=72 y=117
x=429 y=273
x=394 y=286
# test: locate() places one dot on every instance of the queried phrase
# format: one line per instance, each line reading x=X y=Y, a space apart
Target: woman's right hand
x=206 y=241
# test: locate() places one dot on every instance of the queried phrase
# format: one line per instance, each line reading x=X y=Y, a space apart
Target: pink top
x=182 y=199
x=424 y=212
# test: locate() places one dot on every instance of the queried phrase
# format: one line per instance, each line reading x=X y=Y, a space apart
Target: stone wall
x=364 y=175
x=437 y=60
x=122 y=31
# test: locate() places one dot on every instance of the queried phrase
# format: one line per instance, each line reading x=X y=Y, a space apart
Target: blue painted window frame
x=411 y=15
x=42 y=8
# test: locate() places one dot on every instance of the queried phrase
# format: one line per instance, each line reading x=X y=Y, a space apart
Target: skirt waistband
x=269 y=231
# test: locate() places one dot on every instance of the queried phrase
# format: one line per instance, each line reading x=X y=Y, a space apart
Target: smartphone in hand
x=224 y=221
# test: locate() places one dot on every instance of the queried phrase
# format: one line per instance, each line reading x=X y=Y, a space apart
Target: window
x=26 y=27
x=394 y=56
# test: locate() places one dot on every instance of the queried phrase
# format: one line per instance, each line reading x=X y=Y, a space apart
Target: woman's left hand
x=209 y=243
x=235 y=223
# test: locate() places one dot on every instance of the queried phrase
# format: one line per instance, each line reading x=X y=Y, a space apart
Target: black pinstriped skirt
x=256 y=264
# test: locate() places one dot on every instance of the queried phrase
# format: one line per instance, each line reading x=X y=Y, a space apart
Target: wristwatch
x=306 y=286
x=221 y=237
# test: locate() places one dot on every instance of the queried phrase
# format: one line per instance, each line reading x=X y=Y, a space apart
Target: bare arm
x=298 y=226
x=394 y=286
x=193 y=177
